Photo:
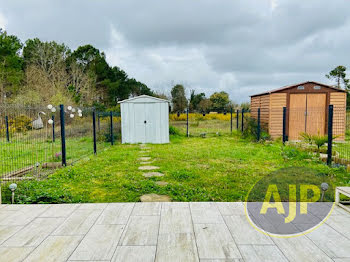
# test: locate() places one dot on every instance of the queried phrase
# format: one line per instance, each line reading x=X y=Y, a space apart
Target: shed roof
x=145 y=99
x=294 y=85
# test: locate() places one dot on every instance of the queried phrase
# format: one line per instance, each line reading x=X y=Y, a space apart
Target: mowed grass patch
x=219 y=168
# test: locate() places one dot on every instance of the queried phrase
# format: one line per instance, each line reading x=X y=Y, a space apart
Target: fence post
x=330 y=134
x=187 y=131
x=242 y=127
x=237 y=118
x=284 y=137
x=63 y=136
x=259 y=128
x=7 y=128
x=111 y=120
x=53 y=128
x=231 y=120
x=94 y=130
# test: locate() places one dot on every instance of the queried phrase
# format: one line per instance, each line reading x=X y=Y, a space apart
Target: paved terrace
x=158 y=232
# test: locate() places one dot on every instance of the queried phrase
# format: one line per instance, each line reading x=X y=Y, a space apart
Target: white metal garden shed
x=145 y=119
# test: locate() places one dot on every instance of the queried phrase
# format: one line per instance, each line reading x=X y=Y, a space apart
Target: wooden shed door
x=297 y=117
x=307 y=113
x=316 y=114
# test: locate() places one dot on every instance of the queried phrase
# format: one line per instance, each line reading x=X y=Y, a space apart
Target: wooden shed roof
x=299 y=84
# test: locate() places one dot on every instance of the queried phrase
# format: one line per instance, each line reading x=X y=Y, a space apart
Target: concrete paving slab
x=78 y=223
x=14 y=254
x=99 y=243
x=34 y=233
x=141 y=231
x=54 y=249
x=116 y=214
x=215 y=242
x=205 y=212
x=134 y=254
x=147 y=209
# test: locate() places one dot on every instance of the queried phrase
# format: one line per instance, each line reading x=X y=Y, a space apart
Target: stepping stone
x=155 y=198
x=162 y=183
x=152 y=174
x=146 y=163
x=145 y=158
x=148 y=167
x=144 y=152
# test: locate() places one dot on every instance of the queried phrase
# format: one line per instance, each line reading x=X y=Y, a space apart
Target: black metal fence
x=197 y=124
x=34 y=141
x=320 y=130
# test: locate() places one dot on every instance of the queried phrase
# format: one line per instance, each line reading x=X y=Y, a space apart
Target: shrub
x=173 y=130
x=251 y=130
x=318 y=140
x=20 y=123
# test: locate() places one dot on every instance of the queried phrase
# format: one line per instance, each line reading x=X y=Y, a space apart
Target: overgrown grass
x=217 y=168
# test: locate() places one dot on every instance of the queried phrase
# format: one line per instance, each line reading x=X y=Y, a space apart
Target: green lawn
x=216 y=168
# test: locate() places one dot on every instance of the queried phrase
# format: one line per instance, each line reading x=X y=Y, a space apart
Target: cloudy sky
x=238 y=46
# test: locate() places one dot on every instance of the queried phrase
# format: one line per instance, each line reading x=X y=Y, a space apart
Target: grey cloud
x=243 y=47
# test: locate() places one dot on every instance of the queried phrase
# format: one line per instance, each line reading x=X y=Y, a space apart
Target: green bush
x=20 y=123
x=250 y=130
x=173 y=130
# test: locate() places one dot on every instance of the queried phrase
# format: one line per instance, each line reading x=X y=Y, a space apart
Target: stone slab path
x=168 y=231
x=153 y=174
x=148 y=167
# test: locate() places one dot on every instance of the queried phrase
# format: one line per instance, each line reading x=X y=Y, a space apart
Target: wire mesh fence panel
x=103 y=130
x=117 y=127
x=27 y=142
x=179 y=122
x=200 y=124
x=341 y=135
x=31 y=138
x=78 y=133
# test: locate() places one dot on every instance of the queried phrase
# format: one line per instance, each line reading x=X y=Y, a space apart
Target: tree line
x=39 y=72
x=198 y=102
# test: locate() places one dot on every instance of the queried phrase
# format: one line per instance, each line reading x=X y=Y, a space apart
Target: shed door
x=140 y=125
x=307 y=113
x=316 y=114
x=151 y=112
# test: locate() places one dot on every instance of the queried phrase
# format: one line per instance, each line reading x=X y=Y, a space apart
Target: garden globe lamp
x=13 y=188
x=324 y=188
x=49 y=107
x=71 y=115
x=53 y=110
x=69 y=108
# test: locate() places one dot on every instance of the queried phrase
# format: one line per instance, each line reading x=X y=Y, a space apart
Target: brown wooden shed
x=307 y=109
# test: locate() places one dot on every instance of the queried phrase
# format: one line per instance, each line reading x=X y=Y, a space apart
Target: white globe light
x=69 y=108
x=73 y=110
x=53 y=110
x=71 y=115
x=49 y=107
x=80 y=115
x=79 y=111
x=50 y=121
